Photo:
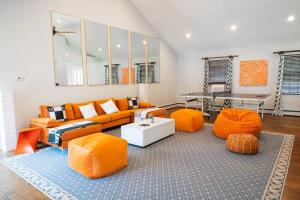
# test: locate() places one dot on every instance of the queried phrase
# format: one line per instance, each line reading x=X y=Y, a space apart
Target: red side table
x=27 y=140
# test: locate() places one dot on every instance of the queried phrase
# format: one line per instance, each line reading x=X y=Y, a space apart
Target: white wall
x=191 y=68
x=168 y=81
x=26 y=50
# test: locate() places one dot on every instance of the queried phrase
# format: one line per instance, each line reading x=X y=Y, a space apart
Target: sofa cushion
x=120 y=115
x=101 y=119
x=71 y=121
x=44 y=122
x=97 y=104
x=122 y=104
x=76 y=110
x=68 y=109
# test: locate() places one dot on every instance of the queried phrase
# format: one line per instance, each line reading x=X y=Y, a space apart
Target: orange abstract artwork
x=254 y=73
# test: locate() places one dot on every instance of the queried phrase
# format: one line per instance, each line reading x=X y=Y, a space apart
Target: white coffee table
x=142 y=136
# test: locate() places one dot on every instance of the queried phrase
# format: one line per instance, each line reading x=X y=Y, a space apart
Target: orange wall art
x=254 y=73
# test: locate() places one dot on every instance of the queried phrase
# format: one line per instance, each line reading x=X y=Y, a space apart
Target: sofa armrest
x=44 y=122
x=145 y=105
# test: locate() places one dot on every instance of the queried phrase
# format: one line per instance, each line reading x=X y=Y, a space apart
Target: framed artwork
x=254 y=73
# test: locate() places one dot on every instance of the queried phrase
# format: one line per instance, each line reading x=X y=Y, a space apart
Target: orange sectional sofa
x=73 y=114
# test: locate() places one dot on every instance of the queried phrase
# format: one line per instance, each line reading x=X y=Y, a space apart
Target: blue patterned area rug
x=182 y=166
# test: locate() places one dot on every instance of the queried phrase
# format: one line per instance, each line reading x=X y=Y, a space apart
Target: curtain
x=151 y=72
x=138 y=74
x=115 y=73
x=228 y=84
x=278 y=107
x=205 y=84
x=106 y=78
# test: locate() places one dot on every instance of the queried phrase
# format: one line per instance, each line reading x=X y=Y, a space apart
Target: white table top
x=233 y=96
x=157 y=122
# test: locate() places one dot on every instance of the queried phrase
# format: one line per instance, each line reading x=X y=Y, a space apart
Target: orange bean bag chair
x=237 y=121
x=97 y=155
x=187 y=120
x=242 y=143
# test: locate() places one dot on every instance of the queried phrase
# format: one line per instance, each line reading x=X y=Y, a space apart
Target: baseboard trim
x=296 y=111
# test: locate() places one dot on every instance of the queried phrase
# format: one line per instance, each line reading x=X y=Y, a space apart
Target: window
x=75 y=74
x=291 y=75
x=217 y=71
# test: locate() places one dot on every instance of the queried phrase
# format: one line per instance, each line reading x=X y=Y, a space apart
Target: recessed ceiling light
x=118 y=45
x=233 y=27
x=99 y=49
x=188 y=35
x=144 y=42
x=58 y=21
x=291 y=18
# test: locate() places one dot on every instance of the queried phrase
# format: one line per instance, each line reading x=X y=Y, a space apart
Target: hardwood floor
x=14 y=187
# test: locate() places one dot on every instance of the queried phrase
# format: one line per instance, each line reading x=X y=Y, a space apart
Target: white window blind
x=75 y=74
x=217 y=71
x=291 y=75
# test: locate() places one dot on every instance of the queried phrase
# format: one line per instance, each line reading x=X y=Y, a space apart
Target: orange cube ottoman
x=242 y=143
x=187 y=120
x=237 y=121
x=97 y=155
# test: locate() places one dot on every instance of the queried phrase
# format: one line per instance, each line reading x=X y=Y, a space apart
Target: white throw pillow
x=109 y=107
x=88 y=111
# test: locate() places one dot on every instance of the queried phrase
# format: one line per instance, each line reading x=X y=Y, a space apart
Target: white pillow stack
x=109 y=107
x=88 y=111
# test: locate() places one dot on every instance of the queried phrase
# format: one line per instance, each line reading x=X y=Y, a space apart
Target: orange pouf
x=188 y=120
x=236 y=121
x=97 y=155
x=242 y=143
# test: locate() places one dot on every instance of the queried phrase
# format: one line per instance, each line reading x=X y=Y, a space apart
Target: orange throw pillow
x=69 y=111
x=44 y=113
x=145 y=105
x=122 y=104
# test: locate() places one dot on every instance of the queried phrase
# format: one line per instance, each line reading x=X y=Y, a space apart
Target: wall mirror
x=66 y=36
x=119 y=56
x=153 y=59
x=97 y=55
x=138 y=58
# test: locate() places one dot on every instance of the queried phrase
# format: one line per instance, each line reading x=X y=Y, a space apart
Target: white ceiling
x=209 y=21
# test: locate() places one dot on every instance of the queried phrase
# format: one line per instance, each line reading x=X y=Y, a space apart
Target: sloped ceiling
x=209 y=21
